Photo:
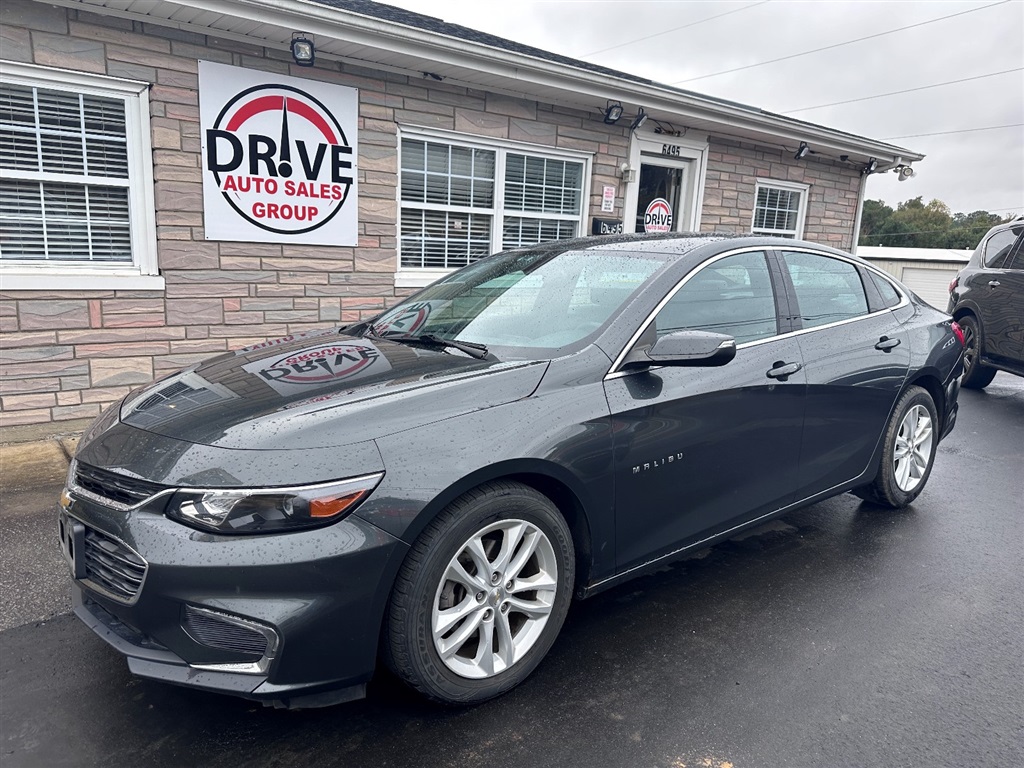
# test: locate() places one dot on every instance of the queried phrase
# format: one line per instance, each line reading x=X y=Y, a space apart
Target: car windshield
x=530 y=300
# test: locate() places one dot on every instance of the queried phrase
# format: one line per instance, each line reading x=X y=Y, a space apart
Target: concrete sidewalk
x=26 y=466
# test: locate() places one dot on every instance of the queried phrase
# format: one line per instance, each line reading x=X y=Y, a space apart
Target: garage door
x=932 y=285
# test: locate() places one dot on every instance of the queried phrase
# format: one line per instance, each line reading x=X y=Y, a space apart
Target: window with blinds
x=64 y=176
x=460 y=203
x=779 y=209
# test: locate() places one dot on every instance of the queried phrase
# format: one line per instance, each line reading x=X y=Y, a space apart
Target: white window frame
x=143 y=272
x=788 y=186
x=418 y=277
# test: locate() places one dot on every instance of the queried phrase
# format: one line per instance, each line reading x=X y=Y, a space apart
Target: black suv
x=987 y=300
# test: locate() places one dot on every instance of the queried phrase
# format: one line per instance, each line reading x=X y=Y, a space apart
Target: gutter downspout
x=860 y=211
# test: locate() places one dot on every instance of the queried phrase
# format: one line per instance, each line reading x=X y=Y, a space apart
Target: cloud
x=967 y=171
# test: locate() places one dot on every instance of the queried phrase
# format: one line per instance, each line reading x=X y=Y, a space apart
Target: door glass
x=658 y=182
x=732 y=296
x=828 y=290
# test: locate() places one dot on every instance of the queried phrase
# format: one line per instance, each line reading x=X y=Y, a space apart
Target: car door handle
x=783 y=371
x=994 y=283
x=886 y=344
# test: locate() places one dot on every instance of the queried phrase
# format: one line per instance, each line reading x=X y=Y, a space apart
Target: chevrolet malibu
x=432 y=487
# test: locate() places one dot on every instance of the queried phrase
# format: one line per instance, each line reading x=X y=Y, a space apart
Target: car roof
x=675 y=244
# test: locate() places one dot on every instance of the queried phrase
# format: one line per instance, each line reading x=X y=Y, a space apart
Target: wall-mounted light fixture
x=612 y=112
x=640 y=119
x=905 y=172
x=628 y=173
x=303 y=50
x=802 y=152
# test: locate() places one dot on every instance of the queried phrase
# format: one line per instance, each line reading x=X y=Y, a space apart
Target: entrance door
x=659 y=182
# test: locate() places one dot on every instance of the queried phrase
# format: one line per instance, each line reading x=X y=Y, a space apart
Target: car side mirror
x=685 y=348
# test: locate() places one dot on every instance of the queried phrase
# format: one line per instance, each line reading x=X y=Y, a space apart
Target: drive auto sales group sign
x=279 y=157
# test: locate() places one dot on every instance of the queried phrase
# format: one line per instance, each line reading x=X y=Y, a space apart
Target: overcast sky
x=677 y=42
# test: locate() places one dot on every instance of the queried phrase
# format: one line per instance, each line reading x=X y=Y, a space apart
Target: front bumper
x=317 y=595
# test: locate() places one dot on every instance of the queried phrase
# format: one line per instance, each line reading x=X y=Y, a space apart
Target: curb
x=35 y=464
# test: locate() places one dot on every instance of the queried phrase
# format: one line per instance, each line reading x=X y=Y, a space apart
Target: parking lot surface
x=840 y=635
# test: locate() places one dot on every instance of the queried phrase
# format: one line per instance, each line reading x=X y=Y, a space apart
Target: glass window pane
x=443 y=239
x=74 y=135
x=519 y=231
x=997 y=248
x=890 y=297
x=776 y=211
x=828 y=290
x=413 y=155
x=542 y=185
x=732 y=296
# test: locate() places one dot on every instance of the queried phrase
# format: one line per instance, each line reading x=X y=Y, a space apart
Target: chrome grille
x=214 y=632
x=112 y=567
x=109 y=485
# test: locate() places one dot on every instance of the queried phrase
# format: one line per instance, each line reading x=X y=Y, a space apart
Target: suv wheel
x=976 y=375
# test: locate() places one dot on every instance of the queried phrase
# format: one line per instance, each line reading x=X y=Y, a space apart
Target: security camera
x=906 y=172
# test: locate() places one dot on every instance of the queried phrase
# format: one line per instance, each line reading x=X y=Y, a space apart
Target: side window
x=998 y=248
x=890 y=296
x=827 y=289
x=733 y=296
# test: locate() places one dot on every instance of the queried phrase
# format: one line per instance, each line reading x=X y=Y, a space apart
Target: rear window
x=890 y=296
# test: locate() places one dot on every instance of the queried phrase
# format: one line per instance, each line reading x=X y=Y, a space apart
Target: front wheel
x=911 y=439
x=481 y=596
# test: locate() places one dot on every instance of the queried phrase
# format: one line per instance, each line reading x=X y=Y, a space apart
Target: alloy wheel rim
x=913 y=448
x=494 y=599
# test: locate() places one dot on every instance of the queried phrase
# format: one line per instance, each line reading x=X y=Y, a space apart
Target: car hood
x=322 y=389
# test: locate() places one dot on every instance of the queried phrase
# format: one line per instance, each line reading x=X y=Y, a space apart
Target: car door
x=856 y=356
x=997 y=292
x=700 y=449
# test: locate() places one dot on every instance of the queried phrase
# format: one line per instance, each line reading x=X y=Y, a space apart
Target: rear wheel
x=911 y=439
x=976 y=375
x=481 y=596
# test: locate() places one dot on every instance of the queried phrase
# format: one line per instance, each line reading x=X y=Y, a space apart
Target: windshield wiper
x=479 y=351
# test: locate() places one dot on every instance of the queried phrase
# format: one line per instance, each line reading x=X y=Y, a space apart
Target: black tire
x=410 y=649
x=885 y=490
x=976 y=375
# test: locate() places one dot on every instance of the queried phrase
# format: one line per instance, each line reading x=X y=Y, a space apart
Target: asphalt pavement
x=840 y=635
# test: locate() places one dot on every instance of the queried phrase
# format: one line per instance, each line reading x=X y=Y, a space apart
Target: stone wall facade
x=65 y=355
x=733 y=170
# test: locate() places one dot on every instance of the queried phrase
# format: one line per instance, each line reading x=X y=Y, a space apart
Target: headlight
x=270 y=510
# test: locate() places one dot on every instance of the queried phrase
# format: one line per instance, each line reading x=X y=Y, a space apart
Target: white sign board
x=279 y=158
x=607 y=199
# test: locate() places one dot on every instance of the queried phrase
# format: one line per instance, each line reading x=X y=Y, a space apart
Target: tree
x=872 y=218
x=915 y=224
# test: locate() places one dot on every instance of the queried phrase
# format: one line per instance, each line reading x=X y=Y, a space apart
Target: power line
x=906 y=90
x=983 y=209
x=674 y=29
x=839 y=45
x=948 y=133
x=950 y=230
